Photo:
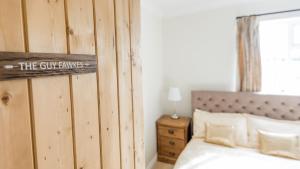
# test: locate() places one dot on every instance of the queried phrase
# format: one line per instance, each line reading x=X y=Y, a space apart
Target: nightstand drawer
x=172 y=137
x=169 y=152
x=171 y=132
x=171 y=142
x=166 y=159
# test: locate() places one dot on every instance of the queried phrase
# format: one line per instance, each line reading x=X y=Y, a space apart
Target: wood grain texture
x=84 y=87
x=11 y=26
x=109 y=28
x=31 y=65
x=80 y=26
x=50 y=96
x=137 y=83
x=160 y=165
x=171 y=132
x=169 y=152
x=15 y=127
x=125 y=85
x=107 y=83
x=166 y=120
x=173 y=143
x=172 y=137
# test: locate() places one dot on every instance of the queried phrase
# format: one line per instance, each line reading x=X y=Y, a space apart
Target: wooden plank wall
x=80 y=29
x=107 y=83
x=89 y=121
x=51 y=101
x=125 y=86
x=15 y=140
x=137 y=85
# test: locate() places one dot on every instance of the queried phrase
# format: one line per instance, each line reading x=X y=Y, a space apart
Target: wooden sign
x=15 y=65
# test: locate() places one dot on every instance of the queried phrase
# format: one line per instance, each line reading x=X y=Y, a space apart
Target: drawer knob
x=172 y=154
x=172 y=143
x=170 y=131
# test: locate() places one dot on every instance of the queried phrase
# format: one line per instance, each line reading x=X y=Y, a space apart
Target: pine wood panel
x=11 y=26
x=84 y=87
x=50 y=96
x=61 y=26
x=108 y=87
x=125 y=86
x=15 y=130
x=137 y=85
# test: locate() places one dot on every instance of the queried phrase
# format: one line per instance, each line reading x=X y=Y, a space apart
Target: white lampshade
x=174 y=94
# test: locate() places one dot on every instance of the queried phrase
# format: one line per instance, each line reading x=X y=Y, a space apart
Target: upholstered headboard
x=272 y=106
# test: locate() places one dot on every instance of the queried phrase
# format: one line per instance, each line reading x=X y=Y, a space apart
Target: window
x=280 y=54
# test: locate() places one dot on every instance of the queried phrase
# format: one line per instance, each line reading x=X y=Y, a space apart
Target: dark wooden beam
x=17 y=65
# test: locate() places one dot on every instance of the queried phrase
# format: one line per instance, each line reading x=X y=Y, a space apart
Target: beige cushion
x=284 y=145
x=257 y=123
x=238 y=121
x=220 y=134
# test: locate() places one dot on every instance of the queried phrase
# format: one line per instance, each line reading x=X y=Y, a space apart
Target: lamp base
x=174 y=116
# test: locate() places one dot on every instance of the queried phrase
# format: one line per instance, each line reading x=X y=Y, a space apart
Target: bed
x=199 y=154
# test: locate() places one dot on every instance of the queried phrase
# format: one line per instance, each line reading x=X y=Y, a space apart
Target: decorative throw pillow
x=239 y=122
x=259 y=123
x=220 y=134
x=283 y=145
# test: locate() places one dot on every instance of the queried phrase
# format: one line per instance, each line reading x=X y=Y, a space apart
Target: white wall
x=200 y=51
x=151 y=53
x=194 y=52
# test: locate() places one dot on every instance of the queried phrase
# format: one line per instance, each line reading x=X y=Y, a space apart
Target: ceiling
x=180 y=7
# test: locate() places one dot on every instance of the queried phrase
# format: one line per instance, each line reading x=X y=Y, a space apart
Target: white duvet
x=201 y=155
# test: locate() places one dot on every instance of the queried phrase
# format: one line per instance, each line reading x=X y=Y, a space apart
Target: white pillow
x=259 y=123
x=233 y=119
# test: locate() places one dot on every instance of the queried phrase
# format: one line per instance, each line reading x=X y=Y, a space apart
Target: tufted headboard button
x=271 y=106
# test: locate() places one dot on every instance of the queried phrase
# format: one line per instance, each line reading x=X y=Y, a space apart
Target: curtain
x=249 y=54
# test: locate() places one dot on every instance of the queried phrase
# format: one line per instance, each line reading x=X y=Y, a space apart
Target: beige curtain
x=249 y=54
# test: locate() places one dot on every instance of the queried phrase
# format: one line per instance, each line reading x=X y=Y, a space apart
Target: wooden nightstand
x=172 y=137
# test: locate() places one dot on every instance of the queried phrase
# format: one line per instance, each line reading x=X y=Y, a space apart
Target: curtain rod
x=270 y=13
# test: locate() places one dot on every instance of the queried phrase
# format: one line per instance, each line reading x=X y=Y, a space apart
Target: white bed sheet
x=201 y=155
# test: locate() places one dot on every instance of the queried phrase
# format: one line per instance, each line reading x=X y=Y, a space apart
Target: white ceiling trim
x=169 y=8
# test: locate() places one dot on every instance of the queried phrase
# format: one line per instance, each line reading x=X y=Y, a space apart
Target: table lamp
x=174 y=96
